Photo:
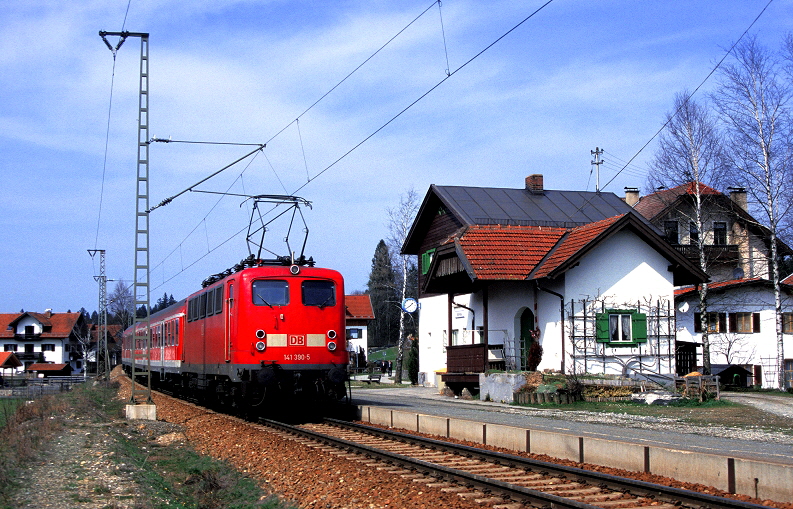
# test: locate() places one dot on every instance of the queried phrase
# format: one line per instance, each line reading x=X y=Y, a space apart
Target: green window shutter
x=426 y=260
x=639 y=326
x=602 y=327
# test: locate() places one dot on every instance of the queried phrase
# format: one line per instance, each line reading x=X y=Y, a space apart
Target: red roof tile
x=359 y=307
x=574 y=242
x=507 y=252
x=61 y=323
x=685 y=290
x=9 y=360
x=653 y=204
x=45 y=366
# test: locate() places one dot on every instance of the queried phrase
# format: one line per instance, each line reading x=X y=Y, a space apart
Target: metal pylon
x=141 y=291
x=102 y=358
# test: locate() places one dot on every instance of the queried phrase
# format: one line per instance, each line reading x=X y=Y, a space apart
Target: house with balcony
x=530 y=278
x=42 y=337
x=736 y=245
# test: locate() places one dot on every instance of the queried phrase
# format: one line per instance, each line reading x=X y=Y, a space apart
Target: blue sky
x=576 y=76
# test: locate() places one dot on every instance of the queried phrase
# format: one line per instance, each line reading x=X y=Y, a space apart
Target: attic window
x=621 y=327
x=426 y=260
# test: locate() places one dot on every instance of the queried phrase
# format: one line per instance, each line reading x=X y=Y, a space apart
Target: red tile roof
x=507 y=252
x=721 y=285
x=61 y=323
x=359 y=307
x=9 y=360
x=578 y=239
x=653 y=204
x=44 y=366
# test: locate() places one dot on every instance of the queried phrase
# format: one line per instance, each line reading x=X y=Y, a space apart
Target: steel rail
x=490 y=486
x=634 y=487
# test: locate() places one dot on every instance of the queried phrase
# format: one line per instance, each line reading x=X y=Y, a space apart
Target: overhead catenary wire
x=425 y=94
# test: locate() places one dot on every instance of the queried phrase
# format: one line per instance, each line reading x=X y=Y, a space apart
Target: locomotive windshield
x=319 y=293
x=270 y=292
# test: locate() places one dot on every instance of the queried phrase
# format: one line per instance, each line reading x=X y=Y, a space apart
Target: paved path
x=771 y=403
x=663 y=432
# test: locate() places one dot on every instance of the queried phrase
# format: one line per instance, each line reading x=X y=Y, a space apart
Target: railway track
x=495 y=479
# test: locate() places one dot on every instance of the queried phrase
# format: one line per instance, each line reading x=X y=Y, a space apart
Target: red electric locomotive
x=266 y=331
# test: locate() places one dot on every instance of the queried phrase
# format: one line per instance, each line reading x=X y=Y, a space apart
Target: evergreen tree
x=382 y=290
x=412 y=362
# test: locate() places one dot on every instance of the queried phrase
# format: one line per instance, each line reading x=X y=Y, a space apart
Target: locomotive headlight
x=260 y=346
x=331 y=346
x=260 y=334
x=331 y=334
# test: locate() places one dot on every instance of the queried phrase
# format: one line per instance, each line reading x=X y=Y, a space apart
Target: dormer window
x=29 y=330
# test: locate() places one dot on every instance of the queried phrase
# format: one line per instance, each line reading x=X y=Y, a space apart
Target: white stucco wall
x=623 y=267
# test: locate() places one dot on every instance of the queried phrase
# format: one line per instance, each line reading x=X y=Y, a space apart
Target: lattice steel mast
x=102 y=358
x=141 y=289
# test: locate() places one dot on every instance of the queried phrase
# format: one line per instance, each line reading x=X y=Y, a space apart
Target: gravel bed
x=308 y=477
x=78 y=470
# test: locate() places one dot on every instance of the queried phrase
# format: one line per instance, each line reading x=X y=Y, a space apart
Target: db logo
x=297 y=340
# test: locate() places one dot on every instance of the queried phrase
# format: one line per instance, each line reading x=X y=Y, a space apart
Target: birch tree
x=400 y=220
x=753 y=103
x=690 y=154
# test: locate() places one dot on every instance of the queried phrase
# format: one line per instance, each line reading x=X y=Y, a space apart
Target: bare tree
x=753 y=101
x=690 y=154
x=82 y=334
x=121 y=304
x=400 y=219
x=736 y=348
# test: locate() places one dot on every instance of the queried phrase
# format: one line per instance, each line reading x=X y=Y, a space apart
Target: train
x=263 y=335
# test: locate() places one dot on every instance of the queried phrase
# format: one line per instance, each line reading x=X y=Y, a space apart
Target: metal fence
x=32 y=388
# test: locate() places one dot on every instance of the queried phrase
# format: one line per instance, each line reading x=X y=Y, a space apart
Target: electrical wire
x=356 y=146
x=425 y=94
x=715 y=68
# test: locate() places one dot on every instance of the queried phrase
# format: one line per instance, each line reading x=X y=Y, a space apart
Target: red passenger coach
x=249 y=337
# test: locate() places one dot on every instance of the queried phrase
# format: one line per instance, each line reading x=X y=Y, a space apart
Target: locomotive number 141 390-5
x=297 y=357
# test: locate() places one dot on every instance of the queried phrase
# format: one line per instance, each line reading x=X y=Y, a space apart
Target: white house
x=41 y=337
x=358 y=313
x=741 y=326
x=506 y=271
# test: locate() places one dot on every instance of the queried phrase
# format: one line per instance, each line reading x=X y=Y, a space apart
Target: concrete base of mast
x=145 y=411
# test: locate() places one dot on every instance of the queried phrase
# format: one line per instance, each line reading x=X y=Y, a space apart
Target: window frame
x=266 y=302
x=426 y=260
x=668 y=229
x=719 y=239
x=637 y=323
x=717 y=322
x=327 y=303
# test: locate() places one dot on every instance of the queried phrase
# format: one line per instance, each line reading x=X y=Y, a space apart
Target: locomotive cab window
x=270 y=292
x=320 y=293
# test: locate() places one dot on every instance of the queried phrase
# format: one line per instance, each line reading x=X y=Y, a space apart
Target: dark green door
x=526 y=338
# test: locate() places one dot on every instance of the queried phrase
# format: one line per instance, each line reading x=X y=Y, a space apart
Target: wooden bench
x=372 y=378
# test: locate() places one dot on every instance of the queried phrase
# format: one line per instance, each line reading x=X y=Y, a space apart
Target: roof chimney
x=631 y=196
x=48 y=312
x=738 y=196
x=534 y=183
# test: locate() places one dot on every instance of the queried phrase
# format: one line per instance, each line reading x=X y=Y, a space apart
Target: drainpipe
x=561 y=317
